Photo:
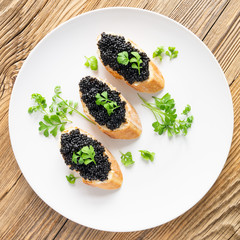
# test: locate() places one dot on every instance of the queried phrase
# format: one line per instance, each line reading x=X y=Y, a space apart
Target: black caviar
x=109 y=47
x=73 y=142
x=89 y=87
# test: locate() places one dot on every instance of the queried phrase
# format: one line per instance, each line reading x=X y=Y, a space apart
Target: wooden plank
x=10 y=171
x=236 y=235
x=198 y=16
x=224 y=40
x=24 y=216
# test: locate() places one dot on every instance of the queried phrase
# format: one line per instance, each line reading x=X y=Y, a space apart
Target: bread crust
x=131 y=129
x=115 y=177
x=153 y=84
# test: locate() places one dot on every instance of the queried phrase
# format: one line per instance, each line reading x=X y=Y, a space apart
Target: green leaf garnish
x=50 y=122
x=126 y=159
x=135 y=60
x=41 y=104
x=109 y=105
x=75 y=158
x=71 y=178
x=147 y=155
x=123 y=58
x=92 y=62
x=63 y=107
x=186 y=110
x=158 y=52
x=172 y=53
x=84 y=156
x=56 y=118
x=164 y=112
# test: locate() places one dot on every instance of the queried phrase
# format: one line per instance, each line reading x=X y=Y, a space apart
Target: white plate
x=184 y=169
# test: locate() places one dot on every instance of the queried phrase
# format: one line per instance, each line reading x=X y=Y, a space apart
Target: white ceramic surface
x=184 y=168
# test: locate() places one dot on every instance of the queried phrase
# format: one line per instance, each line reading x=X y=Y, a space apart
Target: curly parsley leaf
x=51 y=121
x=40 y=102
x=84 y=156
x=186 y=110
x=55 y=118
x=136 y=61
x=147 y=155
x=126 y=159
x=63 y=107
x=51 y=125
x=123 y=58
x=172 y=53
x=109 y=105
x=92 y=62
x=164 y=112
x=158 y=53
x=71 y=178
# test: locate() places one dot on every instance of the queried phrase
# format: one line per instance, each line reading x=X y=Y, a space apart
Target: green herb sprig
x=52 y=121
x=71 y=178
x=41 y=104
x=126 y=159
x=84 y=156
x=55 y=118
x=164 y=112
x=109 y=105
x=65 y=106
x=135 y=60
x=147 y=155
x=159 y=53
x=123 y=58
x=92 y=62
x=51 y=124
x=172 y=53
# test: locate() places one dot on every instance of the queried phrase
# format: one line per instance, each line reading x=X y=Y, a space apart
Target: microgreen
x=51 y=124
x=92 y=62
x=135 y=60
x=84 y=156
x=109 y=105
x=41 y=104
x=186 y=110
x=147 y=155
x=172 y=53
x=55 y=118
x=164 y=112
x=51 y=121
x=62 y=107
x=71 y=178
x=158 y=52
x=126 y=159
x=123 y=58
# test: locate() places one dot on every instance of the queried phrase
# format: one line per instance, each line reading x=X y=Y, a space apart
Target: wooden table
x=23 y=215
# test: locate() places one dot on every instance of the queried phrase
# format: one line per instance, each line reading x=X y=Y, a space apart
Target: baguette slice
x=115 y=177
x=130 y=129
x=155 y=81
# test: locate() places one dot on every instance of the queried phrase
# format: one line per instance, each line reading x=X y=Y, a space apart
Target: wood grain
x=22 y=25
x=17 y=215
x=224 y=40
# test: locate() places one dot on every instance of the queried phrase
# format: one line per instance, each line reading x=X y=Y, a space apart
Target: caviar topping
x=90 y=87
x=74 y=141
x=110 y=46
